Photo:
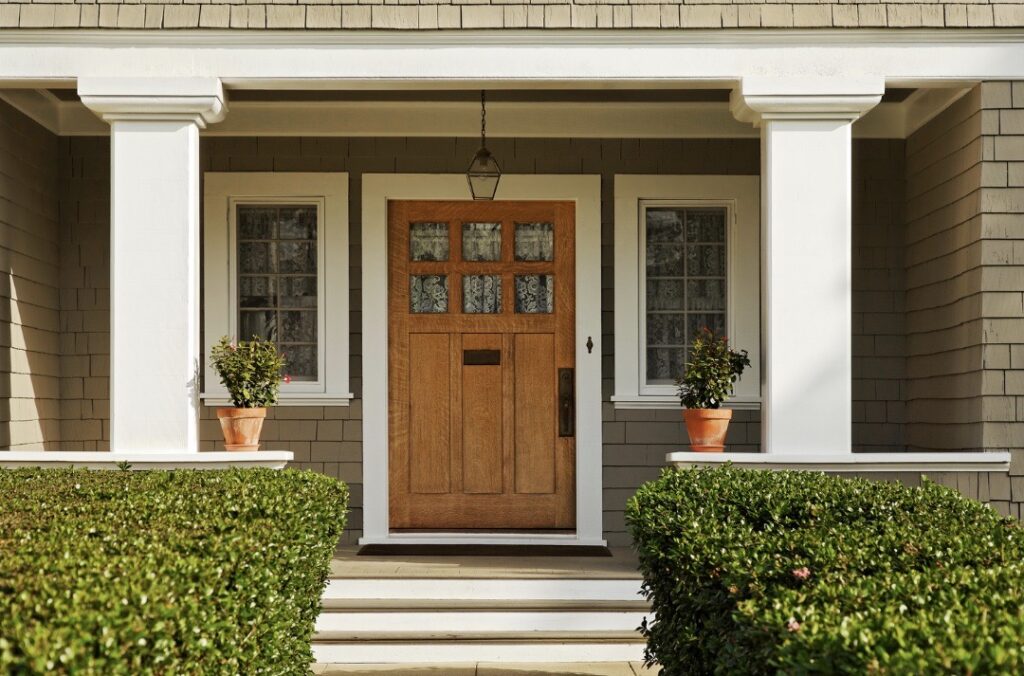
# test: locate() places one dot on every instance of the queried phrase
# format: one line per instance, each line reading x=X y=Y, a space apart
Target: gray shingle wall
x=503 y=14
x=29 y=281
x=329 y=439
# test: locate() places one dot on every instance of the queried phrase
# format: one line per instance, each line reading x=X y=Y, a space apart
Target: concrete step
x=464 y=620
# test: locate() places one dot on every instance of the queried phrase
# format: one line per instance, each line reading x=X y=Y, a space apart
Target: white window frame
x=740 y=196
x=223 y=193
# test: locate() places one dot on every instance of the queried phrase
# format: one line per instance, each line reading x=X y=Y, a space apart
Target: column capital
x=761 y=98
x=199 y=100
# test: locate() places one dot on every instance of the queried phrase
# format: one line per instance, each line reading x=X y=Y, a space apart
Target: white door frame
x=585 y=191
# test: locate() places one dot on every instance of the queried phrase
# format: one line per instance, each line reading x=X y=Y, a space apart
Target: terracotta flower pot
x=707 y=427
x=241 y=427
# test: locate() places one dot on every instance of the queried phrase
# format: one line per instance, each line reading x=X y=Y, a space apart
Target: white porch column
x=154 y=255
x=806 y=288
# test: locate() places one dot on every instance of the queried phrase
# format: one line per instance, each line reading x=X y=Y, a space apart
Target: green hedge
x=197 y=572
x=801 y=573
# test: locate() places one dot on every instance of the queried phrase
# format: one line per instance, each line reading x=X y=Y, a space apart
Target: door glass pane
x=535 y=294
x=481 y=241
x=705 y=225
x=428 y=293
x=428 y=241
x=277 y=281
x=535 y=242
x=481 y=294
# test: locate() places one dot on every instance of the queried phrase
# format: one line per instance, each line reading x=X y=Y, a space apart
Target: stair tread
x=481 y=605
x=477 y=636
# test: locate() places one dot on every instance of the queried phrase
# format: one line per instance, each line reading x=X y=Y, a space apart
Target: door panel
x=481 y=319
x=535 y=431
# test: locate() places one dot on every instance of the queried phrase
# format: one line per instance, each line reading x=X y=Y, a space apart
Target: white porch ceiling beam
x=338 y=60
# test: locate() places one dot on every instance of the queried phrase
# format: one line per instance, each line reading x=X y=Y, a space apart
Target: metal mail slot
x=481 y=357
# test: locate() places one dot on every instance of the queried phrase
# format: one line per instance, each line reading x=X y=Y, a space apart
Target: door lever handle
x=566 y=403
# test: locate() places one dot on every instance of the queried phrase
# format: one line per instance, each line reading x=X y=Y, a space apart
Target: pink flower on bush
x=793 y=625
x=287 y=379
x=802 y=573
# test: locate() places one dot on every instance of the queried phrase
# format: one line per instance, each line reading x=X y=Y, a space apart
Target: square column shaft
x=154 y=286
x=806 y=260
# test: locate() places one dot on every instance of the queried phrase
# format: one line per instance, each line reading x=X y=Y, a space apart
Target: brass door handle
x=566 y=403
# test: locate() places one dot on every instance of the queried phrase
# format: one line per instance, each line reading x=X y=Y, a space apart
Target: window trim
x=740 y=195
x=223 y=192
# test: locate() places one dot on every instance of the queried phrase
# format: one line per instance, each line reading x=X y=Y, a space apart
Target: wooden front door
x=481 y=338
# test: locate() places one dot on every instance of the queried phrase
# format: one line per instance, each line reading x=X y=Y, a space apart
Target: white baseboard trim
x=980 y=461
x=142 y=461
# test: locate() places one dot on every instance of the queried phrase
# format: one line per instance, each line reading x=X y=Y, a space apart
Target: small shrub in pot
x=251 y=373
x=709 y=380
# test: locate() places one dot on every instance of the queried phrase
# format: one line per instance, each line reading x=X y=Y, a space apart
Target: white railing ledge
x=140 y=461
x=972 y=461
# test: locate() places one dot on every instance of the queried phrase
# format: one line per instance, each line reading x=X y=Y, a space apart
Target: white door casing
x=585 y=191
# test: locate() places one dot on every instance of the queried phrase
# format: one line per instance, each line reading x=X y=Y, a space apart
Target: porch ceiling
x=512 y=113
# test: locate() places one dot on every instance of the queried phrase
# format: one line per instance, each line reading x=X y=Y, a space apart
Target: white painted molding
x=741 y=196
x=994 y=461
x=223 y=191
x=199 y=100
x=145 y=461
x=508 y=59
x=585 y=191
x=665 y=403
x=774 y=98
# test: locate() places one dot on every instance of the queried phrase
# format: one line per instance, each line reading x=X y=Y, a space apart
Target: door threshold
x=560 y=540
x=472 y=550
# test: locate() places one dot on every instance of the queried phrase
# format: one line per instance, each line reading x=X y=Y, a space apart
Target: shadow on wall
x=29 y=363
x=29 y=285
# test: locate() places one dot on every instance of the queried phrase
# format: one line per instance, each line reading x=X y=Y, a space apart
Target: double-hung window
x=686 y=258
x=276 y=268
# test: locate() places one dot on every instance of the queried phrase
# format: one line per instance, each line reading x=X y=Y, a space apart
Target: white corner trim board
x=585 y=191
x=141 y=461
x=987 y=461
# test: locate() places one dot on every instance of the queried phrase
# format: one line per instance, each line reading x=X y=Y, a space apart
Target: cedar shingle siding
x=29 y=317
x=508 y=14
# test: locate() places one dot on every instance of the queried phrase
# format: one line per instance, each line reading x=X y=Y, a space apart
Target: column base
x=143 y=461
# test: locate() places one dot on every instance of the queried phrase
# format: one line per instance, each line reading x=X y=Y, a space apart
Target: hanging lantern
x=483 y=173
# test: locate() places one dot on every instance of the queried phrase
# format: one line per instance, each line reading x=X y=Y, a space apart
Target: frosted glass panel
x=428 y=242
x=665 y=364
x=481 y=241
x=481 y=294
x=535 y=242
x=428 y=293
x=277 y=281
x=685 y=270
x=535 y=294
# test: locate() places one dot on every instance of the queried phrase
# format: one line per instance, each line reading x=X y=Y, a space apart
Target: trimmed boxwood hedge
x=199 y=572
x=758 y=572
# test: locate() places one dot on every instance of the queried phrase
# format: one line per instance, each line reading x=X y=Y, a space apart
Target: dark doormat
x=482 y=550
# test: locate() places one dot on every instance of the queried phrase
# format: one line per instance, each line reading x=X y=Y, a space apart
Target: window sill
x=312 y=399
x=659 y=402
x=142 y=460
x=980 y=461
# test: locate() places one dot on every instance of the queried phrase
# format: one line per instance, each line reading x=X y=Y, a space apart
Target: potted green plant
x=251 y=373
x=710 y=376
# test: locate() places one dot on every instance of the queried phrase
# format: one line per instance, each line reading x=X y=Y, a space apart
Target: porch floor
x=621 y=565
